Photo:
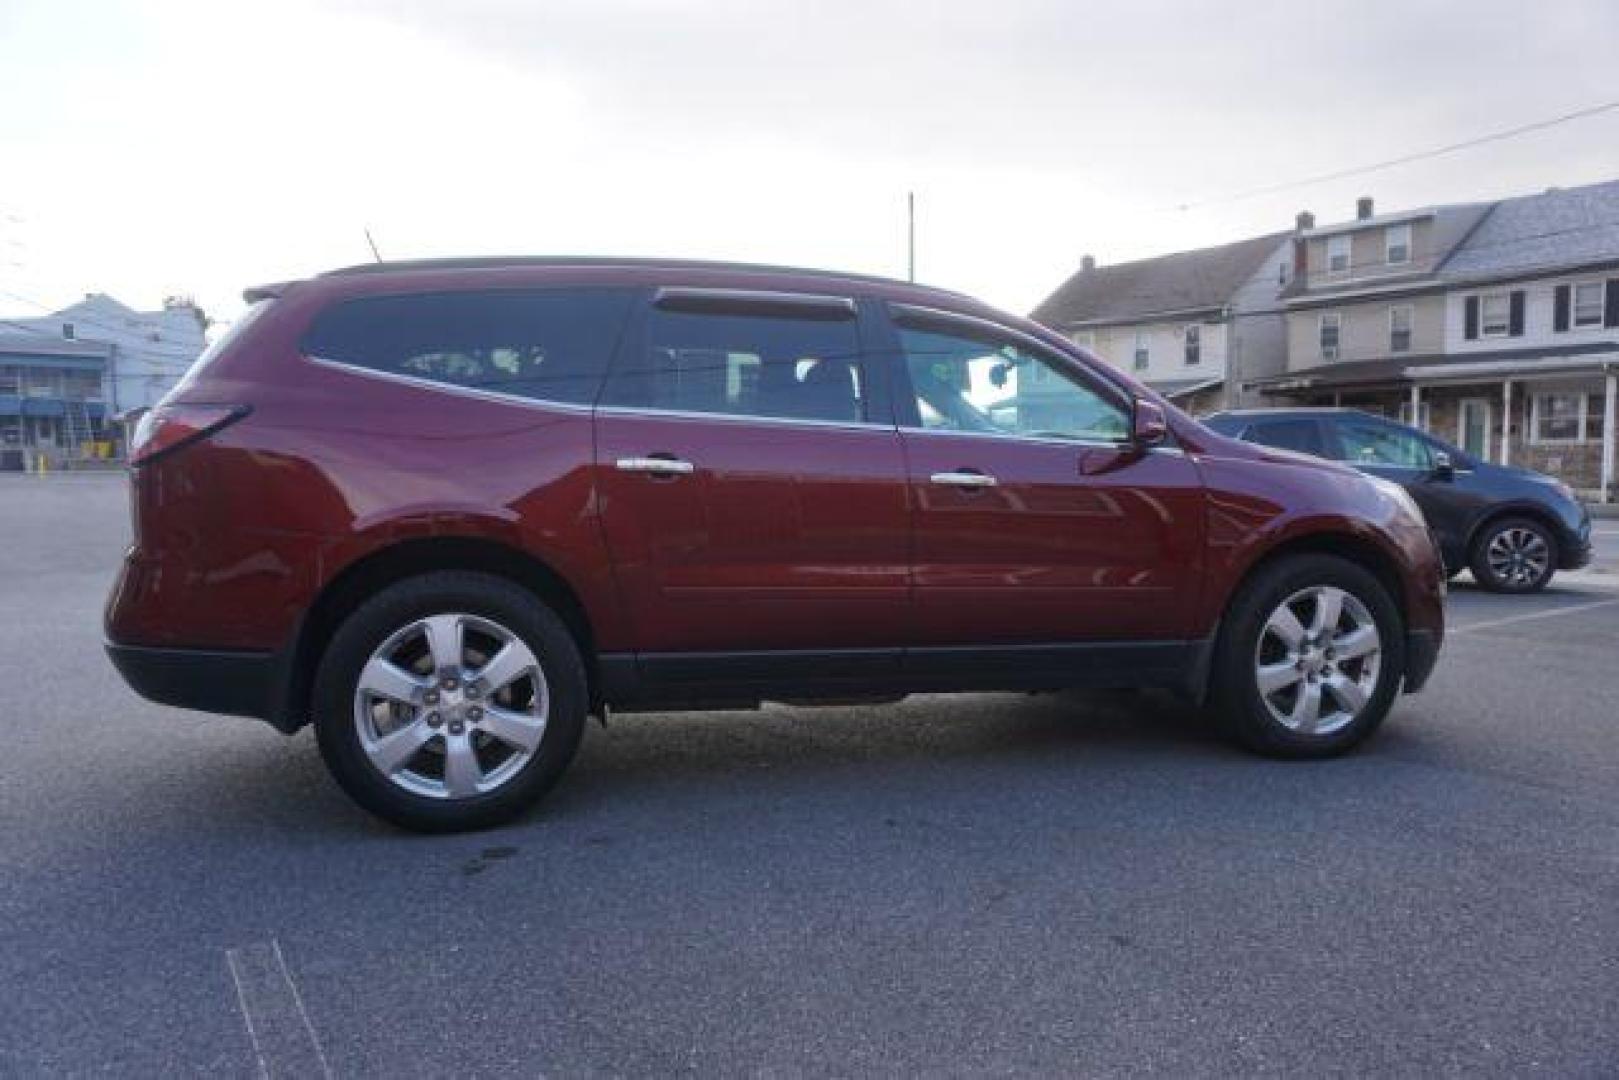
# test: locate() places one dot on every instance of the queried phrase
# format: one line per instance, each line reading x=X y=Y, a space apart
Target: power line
x=1404 y=159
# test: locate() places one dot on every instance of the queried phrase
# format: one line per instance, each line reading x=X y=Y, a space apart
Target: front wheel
x=1514 y=555
x=1310 y=659
x=450 y=701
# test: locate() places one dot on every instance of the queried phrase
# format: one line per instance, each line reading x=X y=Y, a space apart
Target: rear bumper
x=1421 y=654
x=237 y=683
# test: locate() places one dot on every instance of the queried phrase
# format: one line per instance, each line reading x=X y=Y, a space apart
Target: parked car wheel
x=1310 y=659
x=1514 y=555
x=450 y=701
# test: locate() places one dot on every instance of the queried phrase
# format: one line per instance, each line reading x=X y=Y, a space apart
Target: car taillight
x=169 y=427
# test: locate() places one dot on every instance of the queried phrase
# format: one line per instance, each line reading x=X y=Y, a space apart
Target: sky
x=151 y=149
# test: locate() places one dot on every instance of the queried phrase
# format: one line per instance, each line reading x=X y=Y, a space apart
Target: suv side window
x=1367 y=442
x=549 y=344
x=974 y=381
x=759 y=361
x=1301 y=435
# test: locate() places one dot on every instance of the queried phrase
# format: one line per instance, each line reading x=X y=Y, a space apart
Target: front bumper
x=208 y=680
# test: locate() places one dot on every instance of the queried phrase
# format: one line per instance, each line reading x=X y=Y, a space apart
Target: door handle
x=661 y=466
x=964 y=479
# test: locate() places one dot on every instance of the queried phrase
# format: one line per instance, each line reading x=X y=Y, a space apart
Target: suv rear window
x=549 y=344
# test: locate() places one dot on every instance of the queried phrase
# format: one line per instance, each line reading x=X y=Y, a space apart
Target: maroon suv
x=446 y=510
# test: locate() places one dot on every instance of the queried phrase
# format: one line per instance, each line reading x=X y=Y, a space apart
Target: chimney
x=1363 y=208
x=1301 y=249
x=1087 y=264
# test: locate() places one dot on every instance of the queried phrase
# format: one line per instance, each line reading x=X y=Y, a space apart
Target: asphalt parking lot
x=1059 y=884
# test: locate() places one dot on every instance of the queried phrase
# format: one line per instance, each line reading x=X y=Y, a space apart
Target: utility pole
x=375 y=254
x=910 y=236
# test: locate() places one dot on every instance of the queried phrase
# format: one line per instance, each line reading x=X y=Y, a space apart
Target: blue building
x=51 y=397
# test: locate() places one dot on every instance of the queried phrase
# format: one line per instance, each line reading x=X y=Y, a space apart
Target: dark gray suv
x=1513 y=528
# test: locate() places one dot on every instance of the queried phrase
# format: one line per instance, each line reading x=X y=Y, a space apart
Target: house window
x=1085 y=339
x=1588 y=300
x=1141 y=351
x=68 y=331
x=1400 y=328
x=1565 y=418
x=1397 y=244
x=1338 y=254
x=1495 y=314
x=1330 y=324
x=1194 y=344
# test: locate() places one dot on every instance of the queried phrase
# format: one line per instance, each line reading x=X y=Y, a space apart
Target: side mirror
x=1149 y=426
x=1443 y=467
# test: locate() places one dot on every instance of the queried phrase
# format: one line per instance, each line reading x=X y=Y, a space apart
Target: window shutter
x=1560 y=304
x=1610 y=314
x=1515 y=314
x=1470 y=329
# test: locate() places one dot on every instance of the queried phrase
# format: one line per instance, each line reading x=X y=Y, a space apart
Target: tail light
x=169 y=427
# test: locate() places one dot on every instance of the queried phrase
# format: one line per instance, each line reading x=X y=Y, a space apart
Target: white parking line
x=277 y=1024
x=1508 y=620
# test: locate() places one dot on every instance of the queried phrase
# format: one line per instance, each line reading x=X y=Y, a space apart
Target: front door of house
x=1473 y=427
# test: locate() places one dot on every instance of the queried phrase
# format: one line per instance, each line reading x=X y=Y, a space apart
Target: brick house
x=1494 y=326
x=1195 y=326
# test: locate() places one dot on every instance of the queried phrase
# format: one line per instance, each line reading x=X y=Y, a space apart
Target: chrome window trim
x=478 y=393
x=742 y=418
x=1011 y=436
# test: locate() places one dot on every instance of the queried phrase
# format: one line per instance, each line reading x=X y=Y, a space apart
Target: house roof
x=1187 y=281
x=1391 y=369
x=1453 y=224
x=1562 y=227
x=25 y=343
x=1174 y=388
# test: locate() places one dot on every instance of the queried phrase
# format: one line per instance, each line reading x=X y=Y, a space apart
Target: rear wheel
x=1514 y=555
x=450 y=701
x=1310 y=659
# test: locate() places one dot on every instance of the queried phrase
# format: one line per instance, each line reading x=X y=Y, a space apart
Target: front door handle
x=964 y=479
x=661 y=466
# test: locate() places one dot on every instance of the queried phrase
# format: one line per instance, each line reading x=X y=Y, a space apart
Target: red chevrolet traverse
x=444 y=511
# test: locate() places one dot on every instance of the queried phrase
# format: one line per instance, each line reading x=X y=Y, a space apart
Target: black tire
x=1235 y=693
x=1494 y=581
x=374 y=622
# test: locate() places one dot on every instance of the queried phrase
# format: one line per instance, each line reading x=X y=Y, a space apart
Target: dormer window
x=1338 y=254
x=1397 y=244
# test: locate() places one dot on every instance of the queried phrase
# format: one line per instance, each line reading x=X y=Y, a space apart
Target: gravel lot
x=1075 y=884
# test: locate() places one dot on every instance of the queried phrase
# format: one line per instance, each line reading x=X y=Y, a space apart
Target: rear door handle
x=964 y=479
x=662 y=466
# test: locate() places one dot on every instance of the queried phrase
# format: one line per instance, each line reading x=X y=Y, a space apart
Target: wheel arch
x=404 y=559
x=1496 y=514
x=1359 y=550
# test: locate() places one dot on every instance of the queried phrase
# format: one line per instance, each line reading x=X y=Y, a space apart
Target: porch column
x=1607 y=435
x=1506 y=421
x=1416 y=407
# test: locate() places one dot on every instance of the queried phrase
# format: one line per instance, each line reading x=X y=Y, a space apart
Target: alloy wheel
x=1317 y=660
x=451 y=706
x=1518 y=557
